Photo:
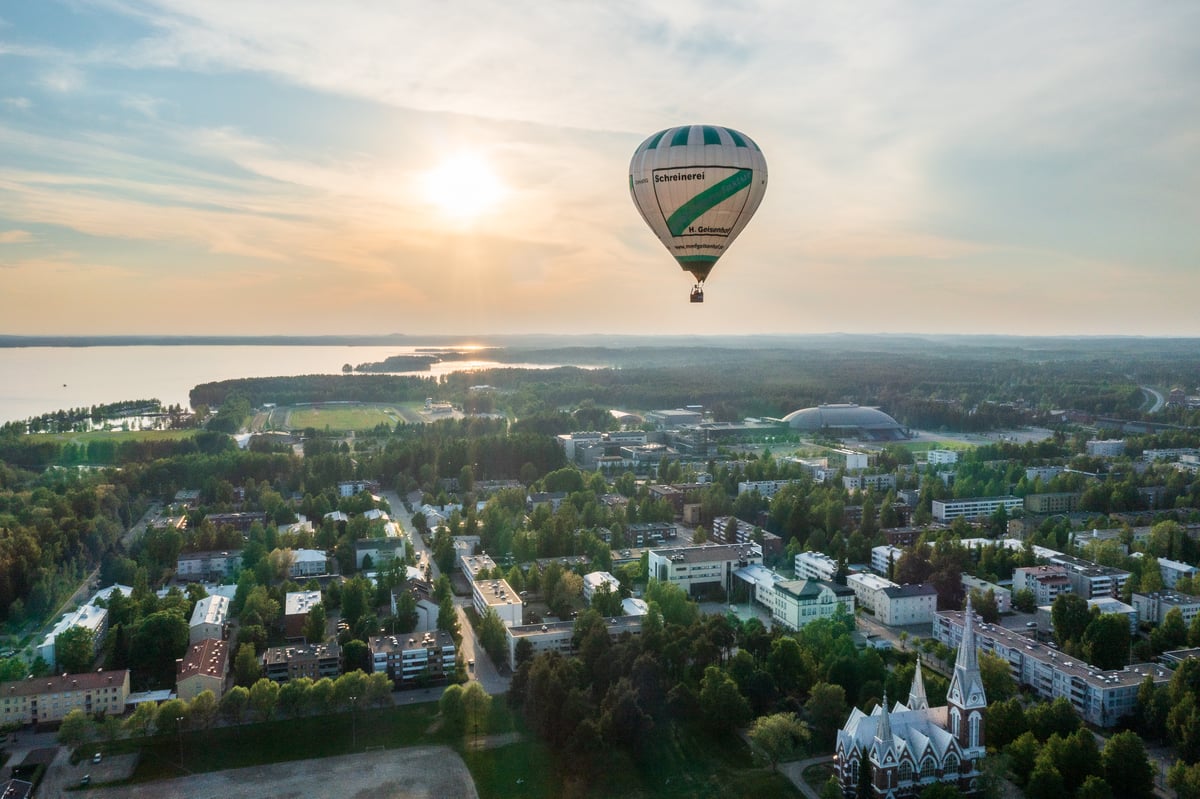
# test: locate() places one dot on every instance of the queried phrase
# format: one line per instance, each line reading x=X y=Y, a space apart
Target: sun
x=463 y=187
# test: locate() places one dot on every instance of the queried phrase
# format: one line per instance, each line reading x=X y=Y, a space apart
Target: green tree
x=826 y=710
x=998 y=682
x=450 y=706
x=264 y=698
x=477 y=705
x=234 y=704
x=1045 y=782
x=447 y=616
x=315 y=624
x=1070 y=616
x=1171 y=634
x=74 y=649
x=202 y=710
x=293 y=697
x=724 y=707
x=159 y=640
x=1184 y=779
x=75 y=729
x=780 y=736
x=1095 y=787
x=1127 y=769
x=492 y=636
x=246 y=666
x=141 y=721
x=379 y=689
x=171 y=715
x=1005 y=722
x=1106 y=641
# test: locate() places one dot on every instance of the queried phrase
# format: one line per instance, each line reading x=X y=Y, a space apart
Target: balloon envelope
x=697 y=186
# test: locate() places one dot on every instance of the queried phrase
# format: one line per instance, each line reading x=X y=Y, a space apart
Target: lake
x=37 y=380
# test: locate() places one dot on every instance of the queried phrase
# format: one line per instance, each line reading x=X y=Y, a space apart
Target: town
x=837 y=609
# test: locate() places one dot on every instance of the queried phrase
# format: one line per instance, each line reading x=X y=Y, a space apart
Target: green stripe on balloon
x=706 y=200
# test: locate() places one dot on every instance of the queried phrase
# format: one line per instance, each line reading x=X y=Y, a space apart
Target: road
x=493 y=680
x=794 y=771
x=1156 y=397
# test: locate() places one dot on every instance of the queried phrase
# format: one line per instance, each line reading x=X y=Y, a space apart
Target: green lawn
x=341 y=417
x=119 y=435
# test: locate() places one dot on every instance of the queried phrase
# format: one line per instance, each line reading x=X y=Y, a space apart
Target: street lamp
x=179 y=736
x=354 y=722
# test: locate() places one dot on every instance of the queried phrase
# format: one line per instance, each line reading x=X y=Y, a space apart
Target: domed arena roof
x=848 y=420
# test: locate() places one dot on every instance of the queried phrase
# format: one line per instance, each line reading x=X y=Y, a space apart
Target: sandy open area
x=427 y=772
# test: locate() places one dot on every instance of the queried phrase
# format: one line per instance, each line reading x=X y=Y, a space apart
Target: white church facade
x=902 y=749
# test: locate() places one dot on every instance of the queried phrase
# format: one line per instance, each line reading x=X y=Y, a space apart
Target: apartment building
x=1103 y=698
x=210 y=619
x=414 y=659
x=947 y=510
x=815 y=566
x=795 y=603
x=696 y=569
x=283 y=663
x=499 y=596
x=202 y=668
x=40 y=700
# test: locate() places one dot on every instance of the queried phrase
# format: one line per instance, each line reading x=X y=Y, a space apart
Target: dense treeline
x=966 y=388
x=77 y=419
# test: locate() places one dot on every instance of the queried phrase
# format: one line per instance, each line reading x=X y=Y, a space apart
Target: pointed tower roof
x=883 y=730
x=916 y=696
x=968 y=658
x=966 y=684
x=883 y=748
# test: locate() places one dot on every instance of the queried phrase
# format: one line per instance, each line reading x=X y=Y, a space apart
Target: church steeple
x=883 y=730
x=965 y=699
x=883 y=755
x=916 y=696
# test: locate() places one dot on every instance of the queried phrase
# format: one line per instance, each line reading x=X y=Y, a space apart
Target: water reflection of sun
x=463 y=187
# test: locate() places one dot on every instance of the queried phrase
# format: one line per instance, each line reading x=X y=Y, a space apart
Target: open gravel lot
x=427 y=772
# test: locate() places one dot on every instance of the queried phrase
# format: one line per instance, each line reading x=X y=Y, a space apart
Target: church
x=909 y=746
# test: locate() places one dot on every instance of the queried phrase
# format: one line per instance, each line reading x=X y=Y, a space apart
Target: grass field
x=339 y=417
x=120 y=435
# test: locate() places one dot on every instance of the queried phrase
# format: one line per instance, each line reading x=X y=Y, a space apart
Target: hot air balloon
x=697 y=186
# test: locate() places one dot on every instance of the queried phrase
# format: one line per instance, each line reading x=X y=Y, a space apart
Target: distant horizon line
x=462 y=339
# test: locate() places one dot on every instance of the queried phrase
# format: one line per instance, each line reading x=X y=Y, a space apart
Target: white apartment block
x=1046 y=582
x=948 y=510
x=474 y=565
x=697 y=568
x=308 y=563
x=592 y=582
x=499 y=596
x=868 y=588
x=1153 y=608
x=1090 y=579
x=869 y=482
x=884 y=557
x=1002 y=594
x=854 y=460
x=901 y=605
x=207 y=566
x=765 y=488
x=795 y=603
x=1172 y=570
x=1102 y=698
x=815 y=566
x=209 y=619
x=1043 y=473
x=1108 y=448
x=940 y=457
x=558 y=636
x=90 y=617
x=410 y=660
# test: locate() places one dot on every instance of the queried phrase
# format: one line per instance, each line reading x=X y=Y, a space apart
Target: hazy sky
x=244 y=166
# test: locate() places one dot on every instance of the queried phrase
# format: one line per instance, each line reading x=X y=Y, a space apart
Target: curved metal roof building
x=848 y=420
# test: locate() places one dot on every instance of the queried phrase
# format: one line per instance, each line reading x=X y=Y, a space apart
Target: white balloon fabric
x=697 y=186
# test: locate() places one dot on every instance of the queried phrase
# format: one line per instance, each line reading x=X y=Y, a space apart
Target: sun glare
x=463 y=187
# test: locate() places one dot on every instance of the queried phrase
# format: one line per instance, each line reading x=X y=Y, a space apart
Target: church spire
x=968 y=658
x=883 y=730
x=916 y=696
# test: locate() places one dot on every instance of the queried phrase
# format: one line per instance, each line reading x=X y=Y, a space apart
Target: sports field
x=339 y=416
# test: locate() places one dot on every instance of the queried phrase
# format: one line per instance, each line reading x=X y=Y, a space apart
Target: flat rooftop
x=1131 y=675
x=709 y=553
